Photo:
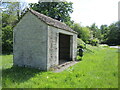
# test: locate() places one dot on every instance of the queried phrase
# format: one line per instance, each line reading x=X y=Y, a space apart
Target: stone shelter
x=42 y=42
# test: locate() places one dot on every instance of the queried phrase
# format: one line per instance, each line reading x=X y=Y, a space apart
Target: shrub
x=7 y=40
x=81 y=43
x=83 y=32
x=94 y=42
x=79 y=58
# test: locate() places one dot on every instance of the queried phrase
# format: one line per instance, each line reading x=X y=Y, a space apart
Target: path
x=64 y=66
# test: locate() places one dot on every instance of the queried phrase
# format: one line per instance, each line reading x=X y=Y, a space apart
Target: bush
x=83 y=32
x=7 y=40
x=79 y=58
x=94 y=42
x=81 y=43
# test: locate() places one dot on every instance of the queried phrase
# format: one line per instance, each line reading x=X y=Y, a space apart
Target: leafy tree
x=118 y=36
x=7 y=42
x=96 y=32
x=10 y=13
x=114 y=34
x=104 y=33
x=83 y=32
x=56 y=10
x=8 y=20
x=104 y=29
x=77 y=28
x=94 y=29
x=10 y=16
x=94 y=42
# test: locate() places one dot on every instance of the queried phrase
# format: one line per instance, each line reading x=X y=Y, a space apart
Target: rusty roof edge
x=52 y=22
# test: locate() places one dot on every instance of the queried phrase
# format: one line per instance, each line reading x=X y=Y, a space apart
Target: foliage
x=77 y=28
x=98 y=69
x=78 y=58
x=114 y=34
x=56 y=10
x=7 y=39
x=81 y=43
x=94 y=42
x=10 y=17
x=11 y=13
x=83 y=32
x=104 y=29
x=95 y=31
x=104 y=33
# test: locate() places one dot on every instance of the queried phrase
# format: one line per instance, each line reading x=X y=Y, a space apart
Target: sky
x=87 y=12
x=100 y=12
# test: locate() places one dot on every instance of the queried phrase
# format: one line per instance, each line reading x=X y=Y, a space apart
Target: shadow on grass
x=19 y=74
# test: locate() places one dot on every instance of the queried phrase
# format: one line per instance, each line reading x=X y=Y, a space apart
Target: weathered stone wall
x=74 y=46
x=53 y=45
x=37 y=45
x=30 y=42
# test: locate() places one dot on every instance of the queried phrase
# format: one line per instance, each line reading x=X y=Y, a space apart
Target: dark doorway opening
x=64 y=48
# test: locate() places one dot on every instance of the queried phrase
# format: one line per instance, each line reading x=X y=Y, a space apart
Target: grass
x=98 y=69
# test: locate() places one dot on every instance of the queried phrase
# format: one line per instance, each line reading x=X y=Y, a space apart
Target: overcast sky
x=88 y=12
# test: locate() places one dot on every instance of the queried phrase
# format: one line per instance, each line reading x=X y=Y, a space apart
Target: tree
x=7 y=42
x=83 y=32
x=114 y=34
x=77 y=28
x=96 y=31
x=118 y=36
x=10 y=17
x=10 y=13
x=104 y=33
x=56 y=10
x=94 y=28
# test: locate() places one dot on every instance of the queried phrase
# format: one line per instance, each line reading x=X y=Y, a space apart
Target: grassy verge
x=98 y=69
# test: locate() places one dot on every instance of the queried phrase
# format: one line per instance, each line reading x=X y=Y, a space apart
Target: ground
x=98 y=69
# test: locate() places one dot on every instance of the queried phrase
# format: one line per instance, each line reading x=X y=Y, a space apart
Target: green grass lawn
x=98 y=69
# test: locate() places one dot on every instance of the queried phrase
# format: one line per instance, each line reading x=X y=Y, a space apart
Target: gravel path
x=64 y=66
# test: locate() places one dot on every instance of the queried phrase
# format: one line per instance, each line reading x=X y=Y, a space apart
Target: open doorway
x=64 y=48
